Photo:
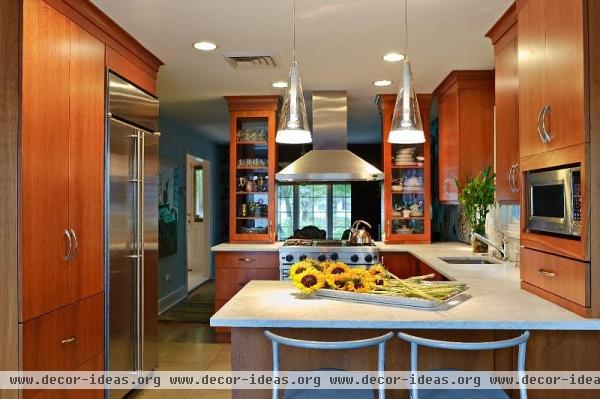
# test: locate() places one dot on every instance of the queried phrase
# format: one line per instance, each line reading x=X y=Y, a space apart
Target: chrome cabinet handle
x=75 y=244
x=512 y=178
x=511 y=183
x=67 y=341
x=247 y=260
x=546 y=273
x=539 y=124
x=517 y=177
x=547 y=136
x=70 y=245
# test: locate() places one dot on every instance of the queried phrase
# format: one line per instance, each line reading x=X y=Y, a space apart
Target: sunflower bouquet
x=309 y=276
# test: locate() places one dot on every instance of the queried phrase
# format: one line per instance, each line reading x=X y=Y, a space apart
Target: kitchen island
x=493 y=308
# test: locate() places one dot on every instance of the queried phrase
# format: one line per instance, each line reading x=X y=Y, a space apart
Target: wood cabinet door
x=532 y=81
x=507 y=120
x=565 y=73
x=230 y=281
x=448 y=146
x=86 y=163
x=44 y=159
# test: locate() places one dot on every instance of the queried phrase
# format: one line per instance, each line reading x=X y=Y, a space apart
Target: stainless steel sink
x=468 y=260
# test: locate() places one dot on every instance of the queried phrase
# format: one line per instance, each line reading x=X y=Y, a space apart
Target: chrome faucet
x=501 y=248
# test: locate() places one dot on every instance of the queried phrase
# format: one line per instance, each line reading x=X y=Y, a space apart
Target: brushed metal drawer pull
x=247 y=260
x=545 y=273
x=67 y=341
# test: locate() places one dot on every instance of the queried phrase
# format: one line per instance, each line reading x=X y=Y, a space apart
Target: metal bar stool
x=497 y=393
x=335 y=345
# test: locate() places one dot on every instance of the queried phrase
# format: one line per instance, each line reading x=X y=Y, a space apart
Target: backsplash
x=450 y=225
x=505 y=219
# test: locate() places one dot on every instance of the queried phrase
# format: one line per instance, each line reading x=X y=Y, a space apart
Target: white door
x=198 y=221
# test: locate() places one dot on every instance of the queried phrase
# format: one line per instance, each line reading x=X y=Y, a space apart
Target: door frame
x=191 y=163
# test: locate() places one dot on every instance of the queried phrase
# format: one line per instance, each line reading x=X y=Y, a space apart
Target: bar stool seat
x=380 y=341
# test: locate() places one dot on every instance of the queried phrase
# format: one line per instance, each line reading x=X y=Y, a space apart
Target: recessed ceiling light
x=205 y=46
x=393 y=57
x=381 y=83
x=279 y=85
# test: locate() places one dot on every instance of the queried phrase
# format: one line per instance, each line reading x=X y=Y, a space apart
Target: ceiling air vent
x=252 y=60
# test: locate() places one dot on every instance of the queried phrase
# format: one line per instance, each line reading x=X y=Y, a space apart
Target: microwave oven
x=554 y=201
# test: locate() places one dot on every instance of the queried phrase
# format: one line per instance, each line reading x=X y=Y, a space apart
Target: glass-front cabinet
x=252 y=165
x=407 y=183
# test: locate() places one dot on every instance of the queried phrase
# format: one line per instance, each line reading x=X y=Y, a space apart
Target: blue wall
x=176 y=142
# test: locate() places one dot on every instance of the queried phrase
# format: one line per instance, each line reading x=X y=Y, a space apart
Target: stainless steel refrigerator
x=132 y=199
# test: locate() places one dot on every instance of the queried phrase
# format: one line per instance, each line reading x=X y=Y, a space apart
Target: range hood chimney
x=330 y=160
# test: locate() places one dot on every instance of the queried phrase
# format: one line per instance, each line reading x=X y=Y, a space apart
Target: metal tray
x=404 y=302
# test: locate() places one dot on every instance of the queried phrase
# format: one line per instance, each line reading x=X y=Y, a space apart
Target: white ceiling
x=339 y=47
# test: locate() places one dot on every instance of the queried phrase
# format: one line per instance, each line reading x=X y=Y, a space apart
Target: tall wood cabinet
x=407 y=184
x=53 y=160
x=466 y=128
x=504 y=38
x=559 y=122
x=253 y=160
x=63 y=162
x=551 y=69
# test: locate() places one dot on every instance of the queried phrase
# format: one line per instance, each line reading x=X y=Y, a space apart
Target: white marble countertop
x=494 y=301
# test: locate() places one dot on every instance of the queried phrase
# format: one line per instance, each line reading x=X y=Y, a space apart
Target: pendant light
x=407 y=127
x=293 y=127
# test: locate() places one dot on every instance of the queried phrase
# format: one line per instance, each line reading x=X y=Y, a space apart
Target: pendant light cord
x=405 y=28
x=294 y=30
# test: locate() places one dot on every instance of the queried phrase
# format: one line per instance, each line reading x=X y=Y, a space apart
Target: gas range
x=294 y=250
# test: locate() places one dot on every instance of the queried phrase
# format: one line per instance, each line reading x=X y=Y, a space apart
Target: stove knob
x=334 y=256
x=368 y=258
x=354 y=258
x=289 y=258
x=302 y=257
x=322 y=258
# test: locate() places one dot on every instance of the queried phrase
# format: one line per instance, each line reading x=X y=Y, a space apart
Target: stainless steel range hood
x=330 y=159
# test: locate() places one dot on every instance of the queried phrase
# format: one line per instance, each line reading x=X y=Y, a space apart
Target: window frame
x=329 y=207
x=197 y=217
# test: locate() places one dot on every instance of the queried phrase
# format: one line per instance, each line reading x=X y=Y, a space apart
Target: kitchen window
x=326 y=206
x=198 y=194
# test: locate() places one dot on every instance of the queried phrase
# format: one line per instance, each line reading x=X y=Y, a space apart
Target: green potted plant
x=476 y=198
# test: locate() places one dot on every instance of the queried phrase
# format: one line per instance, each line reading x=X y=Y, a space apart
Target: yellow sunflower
x=336 y=268
x=338 y=281
x=378 y=269
x=360 y=281
x=300 y=267
x=309 y=281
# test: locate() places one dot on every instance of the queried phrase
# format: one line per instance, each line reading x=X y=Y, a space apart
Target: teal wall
x=176 y=142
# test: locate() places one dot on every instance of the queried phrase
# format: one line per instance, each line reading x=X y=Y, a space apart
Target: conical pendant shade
x=407 y=127
x=293 y=127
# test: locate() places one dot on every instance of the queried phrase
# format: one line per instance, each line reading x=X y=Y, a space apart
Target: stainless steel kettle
x=360 y=236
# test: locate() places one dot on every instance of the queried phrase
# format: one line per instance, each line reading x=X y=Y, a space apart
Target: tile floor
x=188 y=347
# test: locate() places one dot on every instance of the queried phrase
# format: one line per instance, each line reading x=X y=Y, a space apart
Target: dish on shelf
x=253 y=230
x=413 y=182
x=403 y=230
x=252 y=163
x=416 y=214
x=397 y=188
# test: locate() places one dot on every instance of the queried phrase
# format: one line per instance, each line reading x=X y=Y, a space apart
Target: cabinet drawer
x=66 y=338
x=229 y=281
x=259 y=260
x=94 y=364
x=567 y=278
